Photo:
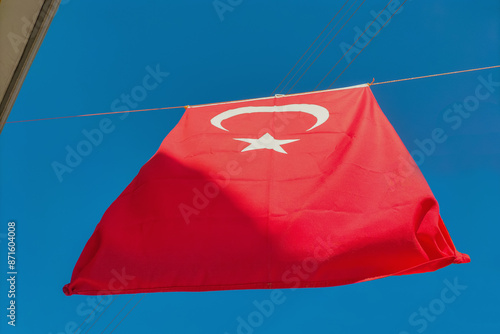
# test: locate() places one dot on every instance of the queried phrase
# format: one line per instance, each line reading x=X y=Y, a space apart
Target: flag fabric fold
x=305 y=190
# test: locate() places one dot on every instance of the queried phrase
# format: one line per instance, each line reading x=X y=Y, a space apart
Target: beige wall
x=23 y=24
x=17 y=19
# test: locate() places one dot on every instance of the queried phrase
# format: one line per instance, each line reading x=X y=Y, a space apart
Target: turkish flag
x=305 y=190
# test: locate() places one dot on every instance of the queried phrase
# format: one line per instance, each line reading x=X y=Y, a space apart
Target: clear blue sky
x=95 y=51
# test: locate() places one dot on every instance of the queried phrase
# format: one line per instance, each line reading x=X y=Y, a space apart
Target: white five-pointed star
x=265 y=142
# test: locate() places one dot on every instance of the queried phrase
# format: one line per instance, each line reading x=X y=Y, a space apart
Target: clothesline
x=179 y=107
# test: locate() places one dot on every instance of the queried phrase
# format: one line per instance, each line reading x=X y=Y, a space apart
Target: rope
x=371 y=39
x=351 y=46
x=310 y=46
x=327 y=44
x=434 y=75
x=179 y=107
x=98 y=114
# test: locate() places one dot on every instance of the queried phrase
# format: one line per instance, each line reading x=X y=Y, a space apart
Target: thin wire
x=345 y=53
x=434 y=75
x=127 y=313
x=117 y=314
x=76 y=330
x=296 y=82
x=317 y=47
x=86 y=115
x=101 y=315
x=367 y=44
x=310 y=46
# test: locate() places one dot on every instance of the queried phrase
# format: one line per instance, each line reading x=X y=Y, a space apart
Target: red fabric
x=344 y=204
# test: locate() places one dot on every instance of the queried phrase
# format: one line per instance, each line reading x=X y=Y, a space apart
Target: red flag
x=306 y=190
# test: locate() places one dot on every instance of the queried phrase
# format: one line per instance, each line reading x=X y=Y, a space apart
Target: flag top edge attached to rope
x=279 y=95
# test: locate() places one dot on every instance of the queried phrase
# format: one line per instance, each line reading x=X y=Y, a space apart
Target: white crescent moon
x=319 y=112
